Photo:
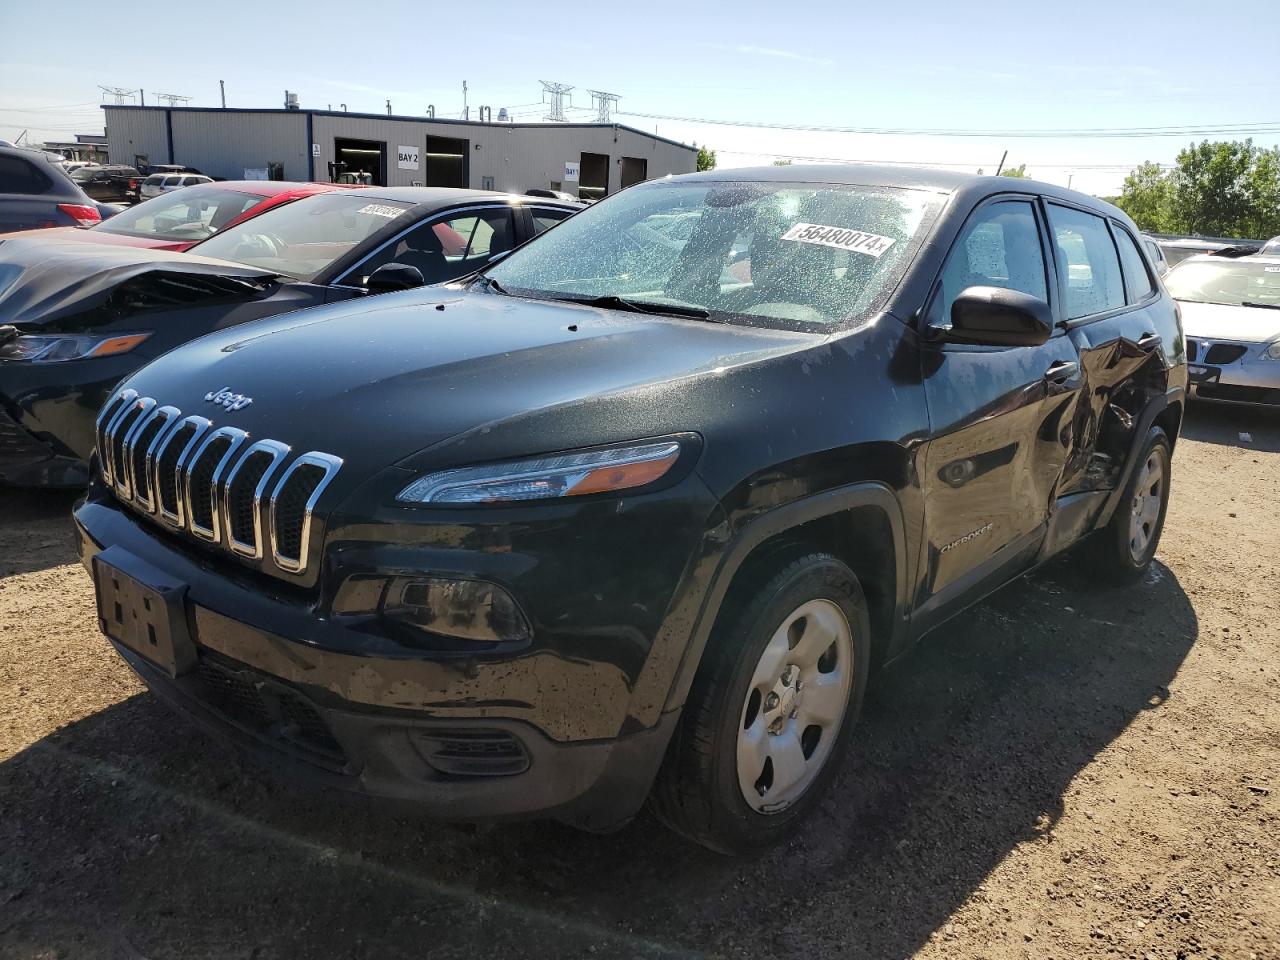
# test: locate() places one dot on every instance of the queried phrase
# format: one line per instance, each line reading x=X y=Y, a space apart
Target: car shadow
x=131 y=831
x=1223 y=424
x=26 y=545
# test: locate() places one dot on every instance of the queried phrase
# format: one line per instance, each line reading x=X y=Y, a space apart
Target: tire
x=774 y=633
x=1122 y=551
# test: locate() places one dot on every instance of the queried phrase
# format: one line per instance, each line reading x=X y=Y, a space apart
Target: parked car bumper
x=1247 y=380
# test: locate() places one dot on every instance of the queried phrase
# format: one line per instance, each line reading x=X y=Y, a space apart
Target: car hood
x=1221 y=321
x=378 y=380
x=66 y=284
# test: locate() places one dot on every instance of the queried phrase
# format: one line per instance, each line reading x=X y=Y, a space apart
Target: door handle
x=1150 y=342
x=1060 y=371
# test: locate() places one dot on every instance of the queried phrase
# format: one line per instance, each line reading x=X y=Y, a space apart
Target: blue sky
x=918 y=65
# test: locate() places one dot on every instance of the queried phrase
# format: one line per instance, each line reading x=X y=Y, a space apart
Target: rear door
x=1001 y=417
x=23 y=204
x=1113 y=308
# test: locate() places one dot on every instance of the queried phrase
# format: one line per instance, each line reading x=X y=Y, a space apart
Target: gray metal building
x=588 y=159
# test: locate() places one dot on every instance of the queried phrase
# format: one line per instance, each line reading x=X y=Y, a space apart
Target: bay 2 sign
x=407 y=158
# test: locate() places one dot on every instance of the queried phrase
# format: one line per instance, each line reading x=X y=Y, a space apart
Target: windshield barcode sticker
x=855 y=241
x=381 y=210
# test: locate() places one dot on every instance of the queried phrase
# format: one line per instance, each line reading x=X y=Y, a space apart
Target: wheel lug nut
x=771 y=701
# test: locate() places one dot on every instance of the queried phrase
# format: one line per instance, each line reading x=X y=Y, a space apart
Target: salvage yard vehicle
x=35 y=193
x=180 y=221
x=561 y=536
x=86 y=315
x=111 y=182
x=161 y=183
x=1231 y=311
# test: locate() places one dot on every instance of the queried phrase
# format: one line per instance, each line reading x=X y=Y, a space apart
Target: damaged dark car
x=639 y=510
x=75 y=319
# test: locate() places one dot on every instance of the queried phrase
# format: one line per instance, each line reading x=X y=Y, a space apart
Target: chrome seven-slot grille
x=212 y=482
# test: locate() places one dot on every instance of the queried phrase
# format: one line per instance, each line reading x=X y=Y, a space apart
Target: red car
x=181 y=219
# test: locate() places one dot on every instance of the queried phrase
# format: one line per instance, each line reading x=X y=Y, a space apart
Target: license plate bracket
x=144 y=609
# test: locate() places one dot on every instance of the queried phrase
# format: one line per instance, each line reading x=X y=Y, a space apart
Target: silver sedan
x=1231 y=314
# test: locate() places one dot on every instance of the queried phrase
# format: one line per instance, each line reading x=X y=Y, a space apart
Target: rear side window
x=545 y=218
x=1136 y=278
x=172 y=181
x=1087 y=257
x=999 y=247
x=21 y=176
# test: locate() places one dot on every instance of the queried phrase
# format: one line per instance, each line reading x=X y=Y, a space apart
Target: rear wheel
x=771 y=711
x=1123 y=550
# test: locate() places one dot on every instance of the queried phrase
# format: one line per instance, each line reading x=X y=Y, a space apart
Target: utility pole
x=1003 y=158
x=466 y=110
x=1070 y=177
x=142 y=97
x=558 y=92
x=604 y=104
x=222 y=87
x=388 y=108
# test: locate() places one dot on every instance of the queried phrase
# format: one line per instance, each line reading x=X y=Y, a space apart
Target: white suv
x=159 y=183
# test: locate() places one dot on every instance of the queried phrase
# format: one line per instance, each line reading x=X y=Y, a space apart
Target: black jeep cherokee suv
x=637 y=511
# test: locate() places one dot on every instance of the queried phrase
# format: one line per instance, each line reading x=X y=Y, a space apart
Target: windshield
x=1233 y=282
x=191 y=215
x=302 y=239
x=798 y=253
x=83 y=173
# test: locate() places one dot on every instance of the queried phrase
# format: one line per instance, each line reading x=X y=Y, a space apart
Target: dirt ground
x=1065 y=772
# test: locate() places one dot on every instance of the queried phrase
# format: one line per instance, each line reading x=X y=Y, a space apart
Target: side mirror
x=394 y=276
x=997 y=317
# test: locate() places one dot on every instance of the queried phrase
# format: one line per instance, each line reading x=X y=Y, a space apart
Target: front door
x=1001 y=418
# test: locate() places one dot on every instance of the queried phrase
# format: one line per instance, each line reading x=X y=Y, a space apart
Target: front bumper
x=47 y=415
x=540 y=731
x=1246 y=380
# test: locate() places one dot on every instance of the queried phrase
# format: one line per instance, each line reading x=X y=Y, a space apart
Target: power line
x=1061 y=165
x=1270 y=126
x=605 y=104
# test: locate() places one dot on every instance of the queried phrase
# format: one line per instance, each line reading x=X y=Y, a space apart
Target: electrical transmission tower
x=604 y=104
x=120 y=93
x=172 y=99
x=558 y=92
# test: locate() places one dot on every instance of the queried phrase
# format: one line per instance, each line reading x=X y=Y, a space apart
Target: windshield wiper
x=1264 y=306
x=489 y=283
x=614 y=302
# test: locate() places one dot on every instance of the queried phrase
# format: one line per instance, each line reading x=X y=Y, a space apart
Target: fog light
x=467 y=609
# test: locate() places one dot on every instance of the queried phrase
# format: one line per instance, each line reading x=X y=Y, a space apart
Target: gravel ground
x=1064 y=772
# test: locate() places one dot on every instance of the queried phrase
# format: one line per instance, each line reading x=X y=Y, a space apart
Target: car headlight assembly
x=56 y=348
x=547 y=478
x=1272 y=352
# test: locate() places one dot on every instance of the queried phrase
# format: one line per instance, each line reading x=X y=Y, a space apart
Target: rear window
x=1136 y=278
x=21 y=176
x=155 y=179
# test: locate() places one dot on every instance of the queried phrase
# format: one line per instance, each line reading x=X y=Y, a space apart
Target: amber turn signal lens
x=114 y=345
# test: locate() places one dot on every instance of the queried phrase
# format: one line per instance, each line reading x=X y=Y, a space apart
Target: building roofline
x=400 y=117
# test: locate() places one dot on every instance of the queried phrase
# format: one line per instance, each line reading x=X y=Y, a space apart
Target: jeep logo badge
x=225 y=398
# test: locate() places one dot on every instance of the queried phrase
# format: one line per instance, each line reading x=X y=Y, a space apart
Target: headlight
x=544 y=478
x=1272 y=352
x=55 y=348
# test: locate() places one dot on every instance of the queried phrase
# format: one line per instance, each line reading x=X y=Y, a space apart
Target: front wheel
x=771 y=711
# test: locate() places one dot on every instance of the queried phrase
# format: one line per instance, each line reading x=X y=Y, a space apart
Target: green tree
x=1212 y=192
x=706 y=159
x=1145 y=197
x=1018 y=173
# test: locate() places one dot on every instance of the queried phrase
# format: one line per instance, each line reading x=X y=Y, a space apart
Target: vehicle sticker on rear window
x=381 y=210
x=855 y=241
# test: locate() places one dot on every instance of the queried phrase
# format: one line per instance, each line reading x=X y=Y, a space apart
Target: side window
x=999 y=247
x=1088 y=258
x=545 y=218
x=1136 y=278
x=171 y=181
x=19 y=176
x=445 y=248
